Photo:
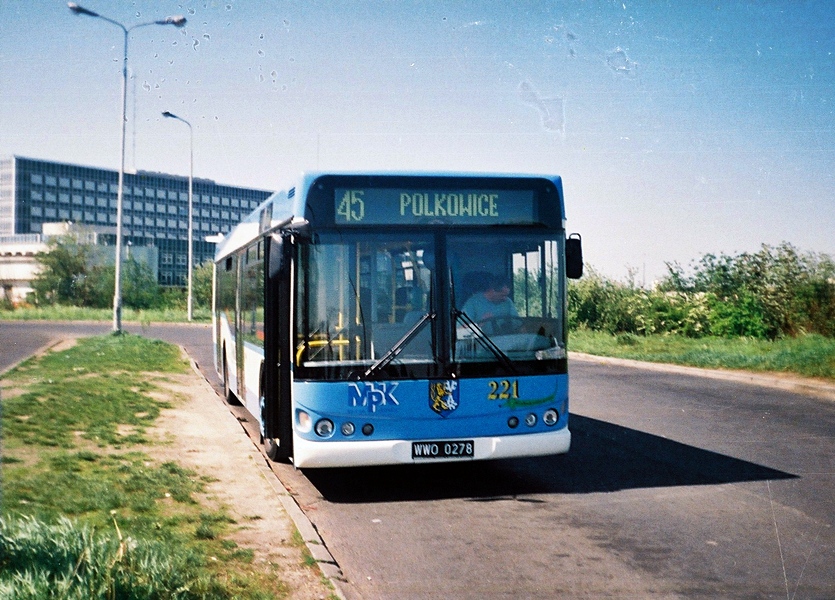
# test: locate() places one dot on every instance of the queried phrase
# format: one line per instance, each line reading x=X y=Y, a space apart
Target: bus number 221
x=352 y=206
x=503 y=390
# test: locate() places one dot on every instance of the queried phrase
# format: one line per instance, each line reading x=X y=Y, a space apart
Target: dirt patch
x=64 y=344
x=201 y=434
x=11 y=392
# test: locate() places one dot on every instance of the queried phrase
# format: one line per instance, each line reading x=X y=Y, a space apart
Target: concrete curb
x=314 y=542
x=788 y=382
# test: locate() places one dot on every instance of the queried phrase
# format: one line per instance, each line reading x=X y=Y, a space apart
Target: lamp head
x=80 y=10
x=175 y=20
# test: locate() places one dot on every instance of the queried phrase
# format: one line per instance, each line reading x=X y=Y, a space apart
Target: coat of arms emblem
x=443 y=396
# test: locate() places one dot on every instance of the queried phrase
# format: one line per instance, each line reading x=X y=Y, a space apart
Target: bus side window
x=227 y=292
x=252 y=303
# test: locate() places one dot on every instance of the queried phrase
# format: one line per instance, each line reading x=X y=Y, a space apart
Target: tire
x=273 y=448
x=228 y=396
x=275 y=451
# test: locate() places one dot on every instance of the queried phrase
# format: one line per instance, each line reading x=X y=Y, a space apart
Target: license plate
x=443 y=449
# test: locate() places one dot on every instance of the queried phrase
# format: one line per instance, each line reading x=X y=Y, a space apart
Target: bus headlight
x=324 y=428
x=347 y=429
x=304 y=421
x=551 y=417
x=530 y=420
x=513 y=422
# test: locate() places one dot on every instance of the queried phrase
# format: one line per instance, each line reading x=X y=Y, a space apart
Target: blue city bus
x=369 y=319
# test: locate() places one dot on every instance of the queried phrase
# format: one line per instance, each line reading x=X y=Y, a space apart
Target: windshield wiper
x=397 y=348
x=484 y=339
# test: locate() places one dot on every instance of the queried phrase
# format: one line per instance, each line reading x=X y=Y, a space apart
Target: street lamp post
x=177 y=21
x=171 y=115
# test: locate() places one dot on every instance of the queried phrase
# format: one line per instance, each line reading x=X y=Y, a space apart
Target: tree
x=140 y=288
x=202 y=284
x=63 y=277
x=74 y=272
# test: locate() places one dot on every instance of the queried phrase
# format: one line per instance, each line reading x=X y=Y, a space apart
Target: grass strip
x=77 y=313
x=807 y=355
x=86 y=512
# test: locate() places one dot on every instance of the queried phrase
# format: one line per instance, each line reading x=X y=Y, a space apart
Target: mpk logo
x=372 y=395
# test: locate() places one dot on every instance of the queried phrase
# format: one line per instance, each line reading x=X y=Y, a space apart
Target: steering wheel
x=501 y=325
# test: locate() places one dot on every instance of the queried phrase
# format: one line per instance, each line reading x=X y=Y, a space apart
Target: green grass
x=86 y=512
x=68 y=560
x=91 y=390
x=809 y=355
x=76 y=313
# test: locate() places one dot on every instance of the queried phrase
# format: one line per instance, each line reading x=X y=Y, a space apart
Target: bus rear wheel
x=228 y=394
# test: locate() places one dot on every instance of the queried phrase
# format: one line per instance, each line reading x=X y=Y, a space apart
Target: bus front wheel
x=276 y=451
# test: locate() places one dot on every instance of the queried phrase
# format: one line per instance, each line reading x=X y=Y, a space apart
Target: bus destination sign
x=395 y=206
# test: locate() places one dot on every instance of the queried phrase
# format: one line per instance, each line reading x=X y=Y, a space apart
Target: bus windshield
x=367 y=300
x=506 y=297
x=361 y=295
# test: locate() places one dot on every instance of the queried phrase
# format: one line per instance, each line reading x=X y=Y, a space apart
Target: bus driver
x=492 y=302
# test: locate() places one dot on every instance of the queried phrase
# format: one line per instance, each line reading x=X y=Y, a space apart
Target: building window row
x=155 y=225
x=131 y=207
x=50 y=181
x=139 y=192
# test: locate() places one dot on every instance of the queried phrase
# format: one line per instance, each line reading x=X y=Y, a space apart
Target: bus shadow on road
x=604 y=457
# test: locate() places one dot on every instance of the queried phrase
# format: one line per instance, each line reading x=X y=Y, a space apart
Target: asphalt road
x=676 y=486
x=19 y=340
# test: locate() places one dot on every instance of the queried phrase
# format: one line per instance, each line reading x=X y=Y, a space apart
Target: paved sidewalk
x=218 y=445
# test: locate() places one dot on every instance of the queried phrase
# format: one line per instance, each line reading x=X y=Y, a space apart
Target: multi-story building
x=154 y=211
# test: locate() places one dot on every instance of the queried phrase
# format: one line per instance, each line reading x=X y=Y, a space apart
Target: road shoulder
x=783 y=381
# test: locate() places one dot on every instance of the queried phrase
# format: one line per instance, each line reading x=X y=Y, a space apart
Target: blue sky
x=679 y=128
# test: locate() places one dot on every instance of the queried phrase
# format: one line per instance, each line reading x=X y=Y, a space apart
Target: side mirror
x=573 y=256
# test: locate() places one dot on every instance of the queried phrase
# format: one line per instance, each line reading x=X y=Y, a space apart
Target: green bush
x=674 y=313
x=599 y=304
x=741 y=316
x=773 y=293
x=201 y=279
x=63 y=277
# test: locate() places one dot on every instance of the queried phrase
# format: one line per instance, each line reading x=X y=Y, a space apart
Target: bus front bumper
x=307 y=454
